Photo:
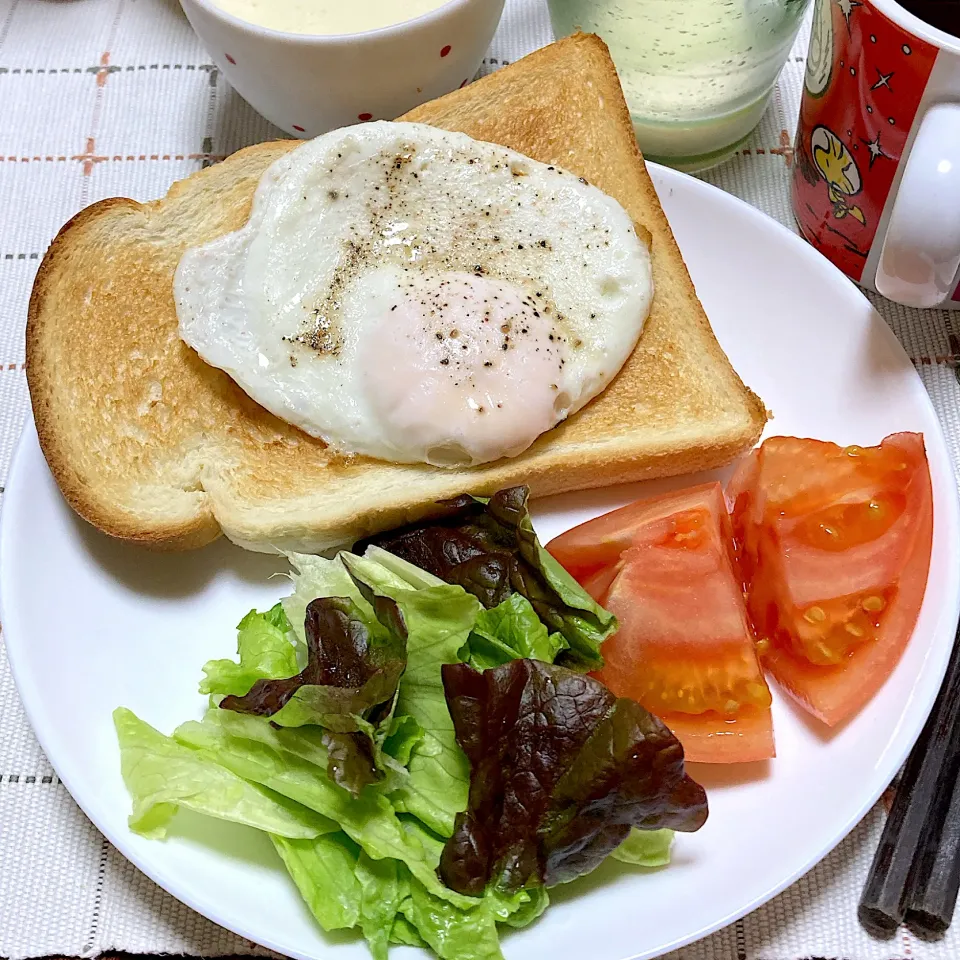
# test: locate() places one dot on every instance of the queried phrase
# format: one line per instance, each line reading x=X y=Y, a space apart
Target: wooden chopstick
x=907 y=872
x=932 y=896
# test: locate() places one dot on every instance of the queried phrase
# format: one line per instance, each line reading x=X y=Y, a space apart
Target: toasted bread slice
x=152 y=445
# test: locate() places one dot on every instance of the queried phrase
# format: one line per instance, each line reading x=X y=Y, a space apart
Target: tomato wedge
x=833 y=546
x=597 y=544
x=684 y=648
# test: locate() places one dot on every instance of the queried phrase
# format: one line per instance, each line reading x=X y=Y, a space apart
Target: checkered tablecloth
x=101 y=98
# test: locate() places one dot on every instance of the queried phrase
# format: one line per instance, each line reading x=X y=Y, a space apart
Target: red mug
x=876 y=184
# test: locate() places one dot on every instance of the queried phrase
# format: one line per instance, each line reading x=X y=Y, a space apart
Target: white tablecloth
x=117 y=97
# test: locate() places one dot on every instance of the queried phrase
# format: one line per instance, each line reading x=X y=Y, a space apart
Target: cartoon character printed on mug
x=834 y=163
x=863 y=85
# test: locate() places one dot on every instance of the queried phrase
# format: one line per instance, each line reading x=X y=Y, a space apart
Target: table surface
x=102 y=98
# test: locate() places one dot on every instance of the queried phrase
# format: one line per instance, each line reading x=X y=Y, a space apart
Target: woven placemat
x=117 y=97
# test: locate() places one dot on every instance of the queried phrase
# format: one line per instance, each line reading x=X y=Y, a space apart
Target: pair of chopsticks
x=915 y=873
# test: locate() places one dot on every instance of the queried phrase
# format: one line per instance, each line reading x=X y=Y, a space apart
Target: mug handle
x=921 y=249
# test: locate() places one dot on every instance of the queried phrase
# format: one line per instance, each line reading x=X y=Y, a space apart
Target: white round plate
x=91 y=624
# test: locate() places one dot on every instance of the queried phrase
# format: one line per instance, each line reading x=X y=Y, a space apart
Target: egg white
x=330 y=307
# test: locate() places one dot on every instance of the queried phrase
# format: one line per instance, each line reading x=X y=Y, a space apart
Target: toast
x=150 y=444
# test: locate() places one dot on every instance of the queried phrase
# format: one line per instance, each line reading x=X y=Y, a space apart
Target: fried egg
x=415 y=295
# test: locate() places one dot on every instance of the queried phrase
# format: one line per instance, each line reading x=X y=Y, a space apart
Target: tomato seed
x=815 y=615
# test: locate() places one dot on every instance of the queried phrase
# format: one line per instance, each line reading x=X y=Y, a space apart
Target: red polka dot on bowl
x=445 y=50
x=298 y=128
x=364 y=116
x=230 y=59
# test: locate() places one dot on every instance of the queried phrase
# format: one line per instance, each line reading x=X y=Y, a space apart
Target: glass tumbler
x=697 y=74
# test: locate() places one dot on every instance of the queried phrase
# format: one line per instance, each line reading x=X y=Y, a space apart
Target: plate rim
x=663 y=177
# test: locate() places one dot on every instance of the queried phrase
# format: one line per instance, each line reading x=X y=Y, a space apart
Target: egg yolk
x=466 y=368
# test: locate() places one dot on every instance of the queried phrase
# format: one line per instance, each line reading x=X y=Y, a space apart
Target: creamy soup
x=327 y=16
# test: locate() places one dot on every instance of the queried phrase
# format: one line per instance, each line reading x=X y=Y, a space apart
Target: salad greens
x=162 y=776
x=267 y=651
x=348 y=685
x=344 y=729
x=511 y=630
x=561 y=769
x=489 y=547
x=645 y=848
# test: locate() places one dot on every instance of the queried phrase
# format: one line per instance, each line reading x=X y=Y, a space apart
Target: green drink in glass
x=697 y=74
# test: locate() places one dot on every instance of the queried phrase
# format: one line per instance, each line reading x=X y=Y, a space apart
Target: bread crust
x=152 y=446
x=41 y=377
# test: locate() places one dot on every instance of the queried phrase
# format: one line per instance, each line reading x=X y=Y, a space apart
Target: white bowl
x=307 y=84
